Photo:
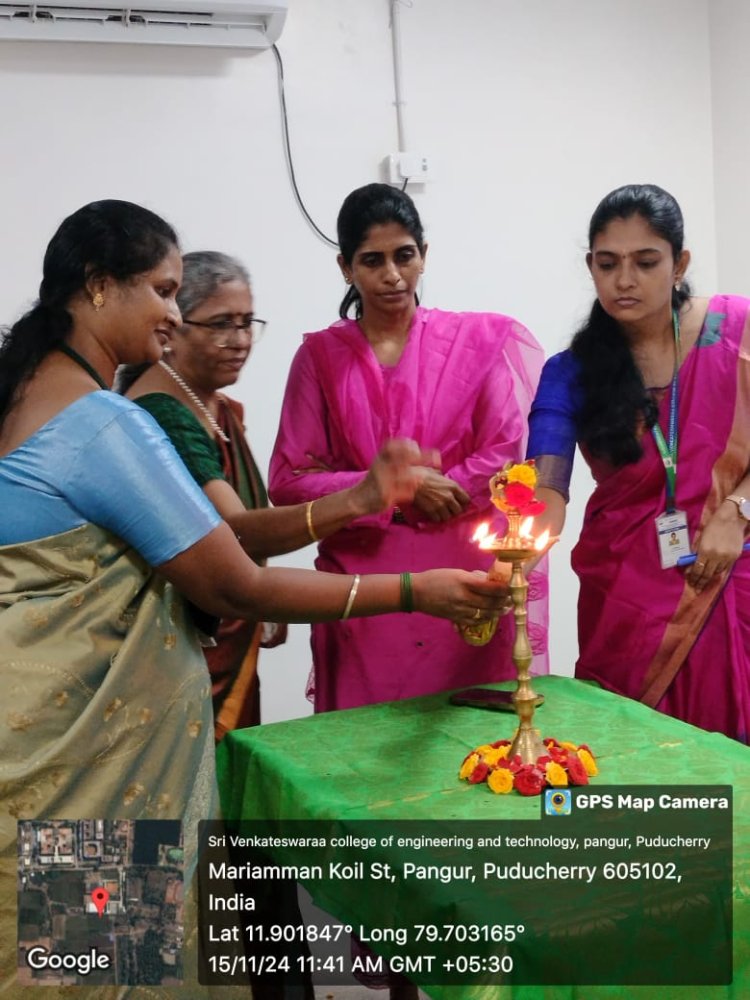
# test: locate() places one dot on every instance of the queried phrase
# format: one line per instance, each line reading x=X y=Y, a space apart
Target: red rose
x=576 y=771
x=480 y=772
x=518 y=495
x=543 y=760
x=529 y=780
x=533 y=507
x=558 y=755
x=500 y=743
x=515 y=763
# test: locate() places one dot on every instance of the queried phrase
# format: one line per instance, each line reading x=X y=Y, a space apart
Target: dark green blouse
x=193 y=444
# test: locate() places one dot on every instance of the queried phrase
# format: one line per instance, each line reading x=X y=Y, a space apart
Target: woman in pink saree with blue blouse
x=677 y=639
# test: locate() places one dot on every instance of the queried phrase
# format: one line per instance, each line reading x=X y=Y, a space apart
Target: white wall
x=529 y=111
x=730 y=79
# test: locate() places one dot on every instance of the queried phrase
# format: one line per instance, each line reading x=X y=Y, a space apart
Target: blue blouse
x=103 y=460
x=553 y=422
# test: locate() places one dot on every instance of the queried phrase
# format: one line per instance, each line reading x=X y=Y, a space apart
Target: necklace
x=83 y=363
x=193 y=397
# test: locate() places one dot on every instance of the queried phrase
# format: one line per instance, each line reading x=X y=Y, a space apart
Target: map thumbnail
x=100 y=902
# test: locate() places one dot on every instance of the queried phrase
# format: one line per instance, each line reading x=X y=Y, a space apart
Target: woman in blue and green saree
x=106 y=710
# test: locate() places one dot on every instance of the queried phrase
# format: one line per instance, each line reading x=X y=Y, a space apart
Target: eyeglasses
x=226 y=329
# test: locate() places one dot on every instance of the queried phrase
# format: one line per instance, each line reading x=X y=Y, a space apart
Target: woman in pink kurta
x=460 y=383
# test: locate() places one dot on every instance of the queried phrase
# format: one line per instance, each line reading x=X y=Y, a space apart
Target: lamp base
x=528 y=745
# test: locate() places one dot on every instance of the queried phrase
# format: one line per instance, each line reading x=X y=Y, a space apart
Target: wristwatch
x=743 y=505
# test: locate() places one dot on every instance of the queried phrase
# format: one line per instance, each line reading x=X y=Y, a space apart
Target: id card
x=672 y=534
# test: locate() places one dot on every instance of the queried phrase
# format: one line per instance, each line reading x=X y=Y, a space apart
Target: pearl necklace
x=193 y=396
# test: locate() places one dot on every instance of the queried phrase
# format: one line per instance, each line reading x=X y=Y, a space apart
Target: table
x=399 y=761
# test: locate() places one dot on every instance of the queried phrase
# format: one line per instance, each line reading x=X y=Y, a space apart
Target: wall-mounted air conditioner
x=240 y=24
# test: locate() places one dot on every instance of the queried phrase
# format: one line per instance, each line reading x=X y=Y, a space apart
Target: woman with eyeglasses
x=183 y=392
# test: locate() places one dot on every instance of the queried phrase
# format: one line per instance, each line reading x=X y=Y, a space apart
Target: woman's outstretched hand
x=395 y=475
x=464 y=597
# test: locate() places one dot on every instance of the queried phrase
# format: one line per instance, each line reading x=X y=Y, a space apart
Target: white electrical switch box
x=411 y=167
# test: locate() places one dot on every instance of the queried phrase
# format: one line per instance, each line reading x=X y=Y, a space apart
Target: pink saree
x=463 y=385
x=643 y=632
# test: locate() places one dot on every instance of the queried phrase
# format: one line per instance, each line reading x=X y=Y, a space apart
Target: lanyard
x=668 y=452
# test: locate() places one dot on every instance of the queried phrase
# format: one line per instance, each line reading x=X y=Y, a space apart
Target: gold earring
x=98 y=301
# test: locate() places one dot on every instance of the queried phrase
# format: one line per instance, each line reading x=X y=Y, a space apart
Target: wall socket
x=412 y=167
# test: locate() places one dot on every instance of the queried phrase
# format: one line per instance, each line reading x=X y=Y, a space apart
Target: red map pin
x=99 y=897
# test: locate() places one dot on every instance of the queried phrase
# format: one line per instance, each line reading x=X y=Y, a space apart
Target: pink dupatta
x=463 y=385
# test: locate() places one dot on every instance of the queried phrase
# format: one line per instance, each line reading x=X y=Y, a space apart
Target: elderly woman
x=183 y=392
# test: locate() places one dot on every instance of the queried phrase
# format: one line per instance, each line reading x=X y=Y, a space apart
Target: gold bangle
x=308 y=518
x=350 y=599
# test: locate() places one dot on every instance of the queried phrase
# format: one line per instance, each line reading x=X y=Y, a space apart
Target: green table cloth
x=399 y=761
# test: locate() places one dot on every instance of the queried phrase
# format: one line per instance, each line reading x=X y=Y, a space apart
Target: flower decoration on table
x=564 y=764
x=512 y=489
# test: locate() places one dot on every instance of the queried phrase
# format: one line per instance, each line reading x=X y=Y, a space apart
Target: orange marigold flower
x=468 y=765
x=494 y=755
x=523 y=473
x=500 y=781
x=588 y=762
x=556 y=775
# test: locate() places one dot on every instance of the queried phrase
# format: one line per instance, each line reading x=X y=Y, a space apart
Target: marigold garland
x=564 y=764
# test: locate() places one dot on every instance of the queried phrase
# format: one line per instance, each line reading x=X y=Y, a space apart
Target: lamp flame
x=483 y=537
x=541 y=543
x=526 y=525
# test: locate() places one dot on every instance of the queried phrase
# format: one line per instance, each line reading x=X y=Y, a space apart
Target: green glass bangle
x=407 y=596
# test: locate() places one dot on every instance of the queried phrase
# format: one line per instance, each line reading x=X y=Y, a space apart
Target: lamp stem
x=527 y=742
